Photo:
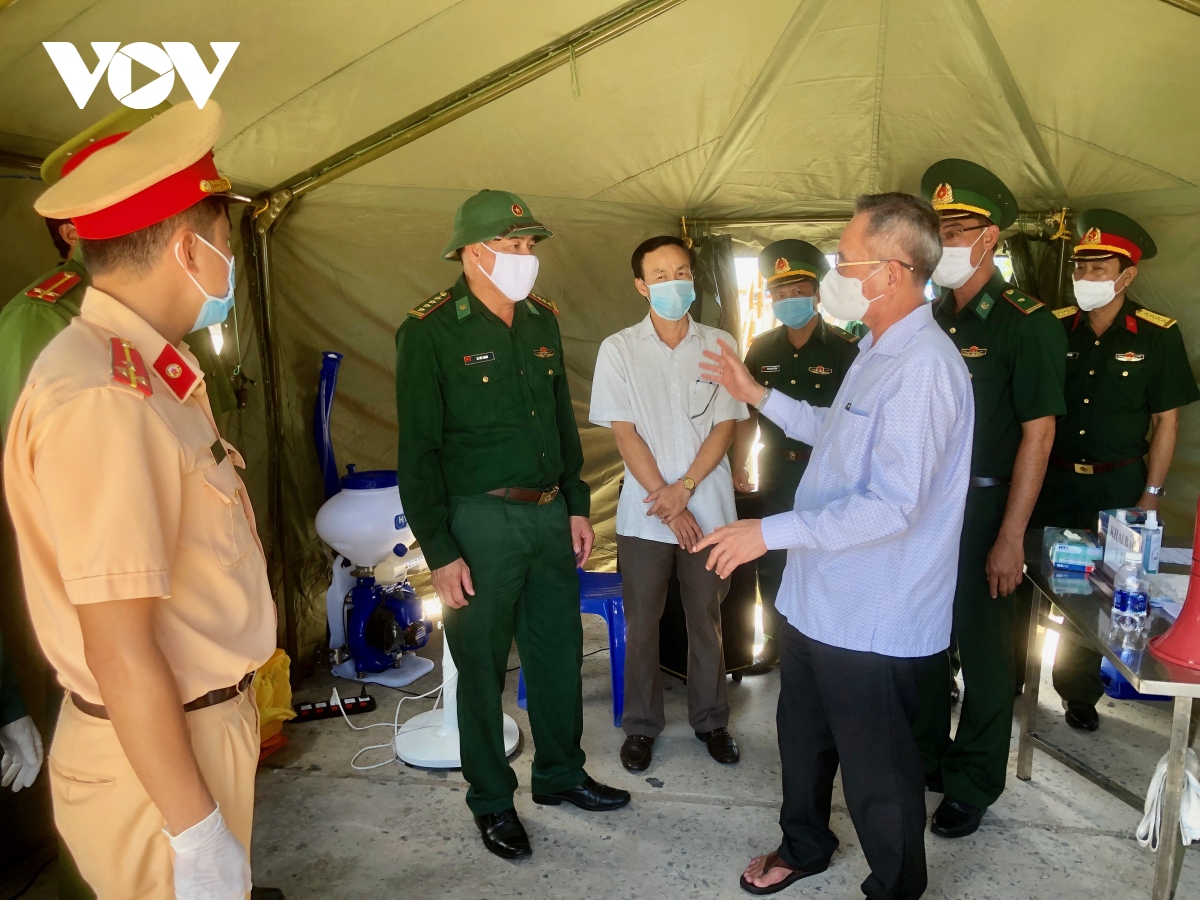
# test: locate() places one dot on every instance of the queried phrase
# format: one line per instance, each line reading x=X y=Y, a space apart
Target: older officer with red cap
x=145 y=579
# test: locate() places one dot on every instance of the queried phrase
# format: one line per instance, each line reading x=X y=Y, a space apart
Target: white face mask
x=843 y=297
x=1095 y=294
x=954 y=269
x=513 y=273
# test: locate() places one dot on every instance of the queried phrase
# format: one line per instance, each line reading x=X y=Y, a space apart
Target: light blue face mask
x=215 y=310
x=794 y=312
x=672 y=299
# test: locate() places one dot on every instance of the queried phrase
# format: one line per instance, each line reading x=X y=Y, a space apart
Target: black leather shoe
x=265 y=893
x=591 y=795
x=956 y=818
x=503 y=834
x=767 y=661
x=933 y=783
x=1082 y=716
x=636 y=752
x=721 y=745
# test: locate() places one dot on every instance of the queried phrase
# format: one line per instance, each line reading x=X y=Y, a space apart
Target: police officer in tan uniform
x=146 y=582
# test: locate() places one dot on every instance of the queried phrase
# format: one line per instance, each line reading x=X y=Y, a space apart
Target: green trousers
x=974 y=764
x=1069 y=500
x=778 y=480
x=523 y=571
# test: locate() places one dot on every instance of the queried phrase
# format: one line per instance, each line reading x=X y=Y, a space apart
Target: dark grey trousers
x=646 y=568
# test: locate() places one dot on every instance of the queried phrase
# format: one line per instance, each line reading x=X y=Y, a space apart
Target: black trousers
x=855 y=709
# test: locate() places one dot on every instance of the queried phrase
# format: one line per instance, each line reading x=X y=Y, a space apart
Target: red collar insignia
x=175 y=372
x=53 y=287
x=128 y=368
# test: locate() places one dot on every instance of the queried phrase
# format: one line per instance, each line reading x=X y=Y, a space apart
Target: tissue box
x=1122 y=530
x=1071 y=548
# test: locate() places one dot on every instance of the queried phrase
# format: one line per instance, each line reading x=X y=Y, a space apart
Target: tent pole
x=479 y=93
x=1192 y=6
x=20 y=161
x=256 y=237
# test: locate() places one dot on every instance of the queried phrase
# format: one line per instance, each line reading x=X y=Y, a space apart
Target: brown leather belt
x=977 y=481
x=1091 y=468
x=212 y=698
x=525 y=495
x=793 y=455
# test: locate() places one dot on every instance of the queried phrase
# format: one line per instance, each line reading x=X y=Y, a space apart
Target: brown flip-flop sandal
x=774 y=862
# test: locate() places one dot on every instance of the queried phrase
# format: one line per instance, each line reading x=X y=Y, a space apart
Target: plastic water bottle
x=1131 y=594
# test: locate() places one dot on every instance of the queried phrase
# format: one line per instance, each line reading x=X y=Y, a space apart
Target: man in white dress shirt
x=673 y=430
x=872 y=554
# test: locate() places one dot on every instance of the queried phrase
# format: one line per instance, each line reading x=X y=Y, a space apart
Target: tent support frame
x=272 y=206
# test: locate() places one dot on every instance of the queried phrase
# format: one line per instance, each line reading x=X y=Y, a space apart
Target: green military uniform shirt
x=813 y=373
x=1016 y=355
x=481 y=406
x=32 y=319
x=1115 y=382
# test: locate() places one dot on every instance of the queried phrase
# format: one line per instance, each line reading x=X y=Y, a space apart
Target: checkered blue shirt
x=872 y=540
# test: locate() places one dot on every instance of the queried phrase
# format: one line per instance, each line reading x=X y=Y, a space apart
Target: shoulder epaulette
x=1155 y=318
x=844 y=334
x=429 y=305
x=1064 y=312
x=1022 y=301
x=54 y=286
x=128 y=368
x=549 y=304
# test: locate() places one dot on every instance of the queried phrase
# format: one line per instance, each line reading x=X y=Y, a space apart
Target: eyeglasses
x=872 y=262
x=957 y=231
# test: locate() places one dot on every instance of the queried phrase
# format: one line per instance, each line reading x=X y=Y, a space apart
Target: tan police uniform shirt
x=120 y=487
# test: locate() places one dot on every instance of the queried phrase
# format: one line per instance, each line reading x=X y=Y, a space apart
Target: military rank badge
x=820 y=370
x=476 y=358
x=973 y=352
x=543 y=353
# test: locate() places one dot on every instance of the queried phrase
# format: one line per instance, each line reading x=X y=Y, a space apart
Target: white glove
x=22 y=758
x=210 y=863
x=1189 y=804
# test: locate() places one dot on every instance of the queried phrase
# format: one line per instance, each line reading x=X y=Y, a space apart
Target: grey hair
x=903 y=227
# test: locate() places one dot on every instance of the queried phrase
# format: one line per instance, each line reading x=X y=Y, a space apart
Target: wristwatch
x=1156 y=490
x=762 y=401
x=689 y=483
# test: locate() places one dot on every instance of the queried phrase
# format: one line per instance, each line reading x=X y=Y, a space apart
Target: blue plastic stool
x=600 y=595
x=1117 y=687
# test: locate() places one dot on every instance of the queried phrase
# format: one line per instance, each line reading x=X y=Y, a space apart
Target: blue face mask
x=215 y=309
x=794 y=312
x=672 y=299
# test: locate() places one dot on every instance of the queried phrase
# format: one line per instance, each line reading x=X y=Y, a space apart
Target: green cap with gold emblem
x=791 y=260
x=959 y=187
x=490 y=215
x=108 y=130
x=1103 y=233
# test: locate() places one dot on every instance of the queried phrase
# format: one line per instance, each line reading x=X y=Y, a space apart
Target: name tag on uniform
x=1072 y=354
x=476 y=358
x=218 y=451
x=766 y=369
x=1130 y=357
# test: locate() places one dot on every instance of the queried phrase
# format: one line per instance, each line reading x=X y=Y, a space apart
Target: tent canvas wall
x=756 y=118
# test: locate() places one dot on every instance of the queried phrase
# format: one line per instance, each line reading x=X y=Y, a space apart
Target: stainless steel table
x=1090 y=615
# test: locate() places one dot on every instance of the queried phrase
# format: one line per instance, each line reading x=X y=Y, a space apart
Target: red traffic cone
x=1181 y=644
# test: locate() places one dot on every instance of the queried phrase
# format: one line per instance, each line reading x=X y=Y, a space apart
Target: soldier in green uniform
x=28 y=322
x=806 y=358
x=1127 y=376
x=1015 y=352
x=489 y=469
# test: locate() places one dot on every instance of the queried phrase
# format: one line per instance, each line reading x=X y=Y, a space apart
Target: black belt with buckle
x=1091 y=468
x=977 y=482
x=526 y=495
x=212 y=698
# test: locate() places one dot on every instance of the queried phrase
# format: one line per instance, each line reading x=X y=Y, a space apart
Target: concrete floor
x=322 y=829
